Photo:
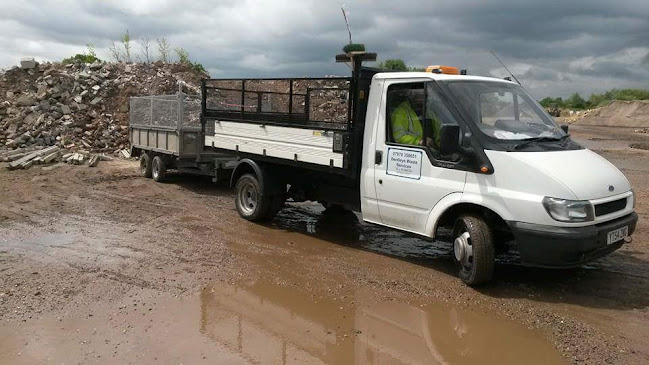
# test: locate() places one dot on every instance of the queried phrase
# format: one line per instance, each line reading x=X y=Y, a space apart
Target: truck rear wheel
x=473 y=249
x=145 y=165
x=158 y=169
x=250 y=203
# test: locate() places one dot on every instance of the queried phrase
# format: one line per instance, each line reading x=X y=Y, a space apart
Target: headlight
x=569 y=210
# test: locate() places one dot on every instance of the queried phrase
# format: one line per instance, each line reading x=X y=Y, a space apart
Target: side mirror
x=449 y=139
x=564 y=128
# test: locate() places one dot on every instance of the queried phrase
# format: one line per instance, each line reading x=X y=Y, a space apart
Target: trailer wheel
x=158 y=169
x=473 y=249
x=249 y=201
x=145 y=165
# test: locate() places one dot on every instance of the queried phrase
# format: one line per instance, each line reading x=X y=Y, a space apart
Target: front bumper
x=565 y=247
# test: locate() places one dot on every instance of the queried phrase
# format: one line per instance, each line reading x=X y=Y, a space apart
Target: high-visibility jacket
x=406 y=127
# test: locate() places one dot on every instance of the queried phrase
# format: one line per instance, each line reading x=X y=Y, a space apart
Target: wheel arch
x=268 y=182
x=246 y=166
x=453 y=205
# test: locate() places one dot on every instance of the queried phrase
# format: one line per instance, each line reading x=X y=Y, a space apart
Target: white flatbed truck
x=496 y=169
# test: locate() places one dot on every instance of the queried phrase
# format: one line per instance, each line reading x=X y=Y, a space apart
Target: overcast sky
x=553 y=47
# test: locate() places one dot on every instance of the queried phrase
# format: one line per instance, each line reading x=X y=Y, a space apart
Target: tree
x=549 y=101
x=575 y=101
x=183 y=56
x=145 y=45
x=164 y=49
x=393 y=65
x=126 y=42
x=115 y=52
x=91 y=51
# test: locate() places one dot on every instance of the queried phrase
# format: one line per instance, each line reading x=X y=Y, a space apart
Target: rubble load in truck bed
x=319 y=103
x=79 y=106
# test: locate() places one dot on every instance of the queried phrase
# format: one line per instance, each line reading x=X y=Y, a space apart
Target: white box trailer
x=414 y=151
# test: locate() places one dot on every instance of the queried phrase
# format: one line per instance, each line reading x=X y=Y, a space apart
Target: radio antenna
x=501 y=62
x=347 y=22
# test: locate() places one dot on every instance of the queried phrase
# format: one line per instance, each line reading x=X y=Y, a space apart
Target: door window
x=415 y=114
x=405 y=112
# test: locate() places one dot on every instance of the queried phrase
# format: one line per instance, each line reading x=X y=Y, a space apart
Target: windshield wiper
x=528 y=141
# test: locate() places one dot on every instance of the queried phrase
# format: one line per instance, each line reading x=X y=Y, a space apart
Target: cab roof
x=435 y=76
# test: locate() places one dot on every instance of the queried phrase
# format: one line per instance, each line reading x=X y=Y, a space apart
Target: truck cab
x=491 y=165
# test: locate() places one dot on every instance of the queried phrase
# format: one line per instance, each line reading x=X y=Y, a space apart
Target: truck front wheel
x=249 y=201
x=473 y=249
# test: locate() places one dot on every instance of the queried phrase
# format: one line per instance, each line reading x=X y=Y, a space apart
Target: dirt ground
x=99 y=265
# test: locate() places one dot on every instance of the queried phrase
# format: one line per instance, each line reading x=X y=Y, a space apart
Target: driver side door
x=409 y=180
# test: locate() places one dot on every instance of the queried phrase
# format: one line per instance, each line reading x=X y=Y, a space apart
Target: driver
x=406 y=127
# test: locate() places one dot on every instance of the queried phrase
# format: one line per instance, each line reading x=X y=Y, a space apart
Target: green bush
x=398 y=65
x=183 y=57
x=87 y=57
x=80 y=57
x=575 y=101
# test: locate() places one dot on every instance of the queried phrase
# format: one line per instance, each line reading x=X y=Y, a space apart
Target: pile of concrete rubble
x=77 y=108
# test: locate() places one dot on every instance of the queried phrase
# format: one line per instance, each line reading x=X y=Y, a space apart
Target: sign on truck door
x=410 y=180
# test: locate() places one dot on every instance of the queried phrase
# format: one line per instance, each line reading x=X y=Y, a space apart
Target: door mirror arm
x=465 y=144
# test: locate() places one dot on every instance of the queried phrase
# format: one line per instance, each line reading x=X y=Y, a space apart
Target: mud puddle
x=267 y=323
x=348 y=229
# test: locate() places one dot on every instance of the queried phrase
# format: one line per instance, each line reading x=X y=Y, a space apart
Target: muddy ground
x=99 y=265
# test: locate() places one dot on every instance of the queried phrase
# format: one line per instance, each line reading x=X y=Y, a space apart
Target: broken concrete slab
x=49 y=158
x=27 y=63
x=94 y=161
x=22 y=162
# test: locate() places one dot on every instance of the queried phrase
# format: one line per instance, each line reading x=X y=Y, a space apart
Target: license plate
x=617 y=235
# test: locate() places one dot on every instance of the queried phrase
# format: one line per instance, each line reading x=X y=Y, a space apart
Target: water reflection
x=265 y=323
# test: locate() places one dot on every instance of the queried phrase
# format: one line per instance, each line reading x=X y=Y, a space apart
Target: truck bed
x=289 y=143
x=296 y=120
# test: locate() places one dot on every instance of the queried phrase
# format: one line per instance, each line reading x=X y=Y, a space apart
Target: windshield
x=504 y=111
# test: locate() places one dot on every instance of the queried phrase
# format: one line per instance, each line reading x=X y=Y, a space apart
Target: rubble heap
x=79 y=106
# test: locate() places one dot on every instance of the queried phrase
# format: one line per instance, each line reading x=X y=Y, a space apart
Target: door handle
x=378 y=157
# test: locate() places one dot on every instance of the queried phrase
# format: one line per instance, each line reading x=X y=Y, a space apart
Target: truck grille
x=610 y=207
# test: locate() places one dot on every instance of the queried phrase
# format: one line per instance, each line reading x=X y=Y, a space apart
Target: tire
x=473 y=250
x=145 y=165
x=332 y=208
x=158 y=169
x=250 y=203
x=278 y=204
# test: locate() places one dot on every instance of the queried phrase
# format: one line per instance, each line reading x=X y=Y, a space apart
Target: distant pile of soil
x=618 y=114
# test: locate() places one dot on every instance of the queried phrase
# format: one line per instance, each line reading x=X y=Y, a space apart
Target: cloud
x=553 y=47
